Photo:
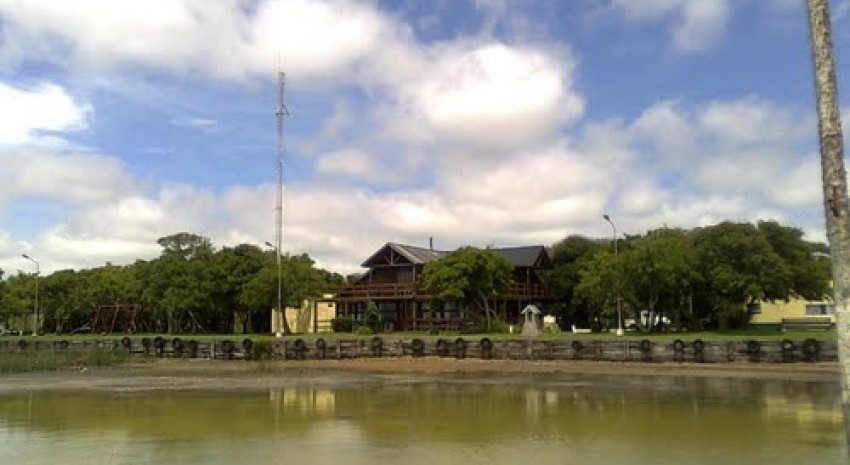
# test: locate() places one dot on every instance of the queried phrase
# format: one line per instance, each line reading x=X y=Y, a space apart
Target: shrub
x=262 y=350
x=499 y=326
x=342 y=324
x=732 y=317
x=364 y=331
x=373 y=318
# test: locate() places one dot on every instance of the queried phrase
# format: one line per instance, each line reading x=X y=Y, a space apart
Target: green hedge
x=342 y=324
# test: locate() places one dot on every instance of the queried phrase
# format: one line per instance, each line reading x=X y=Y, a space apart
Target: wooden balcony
x=380 y=291
x=412 y=291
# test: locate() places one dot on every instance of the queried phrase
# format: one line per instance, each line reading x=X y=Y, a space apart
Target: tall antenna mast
x=281 y=113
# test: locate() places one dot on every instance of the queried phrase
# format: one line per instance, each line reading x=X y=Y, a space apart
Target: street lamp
x=35 y=307
x=279 y=307
x=617 y=283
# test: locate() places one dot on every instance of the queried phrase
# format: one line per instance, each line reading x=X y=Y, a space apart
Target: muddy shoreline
x=169 y=374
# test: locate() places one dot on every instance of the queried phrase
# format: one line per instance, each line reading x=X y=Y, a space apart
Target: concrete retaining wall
x=755 y=351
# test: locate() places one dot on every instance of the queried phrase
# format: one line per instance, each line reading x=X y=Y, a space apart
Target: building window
x=754 y=308
x=820 y=309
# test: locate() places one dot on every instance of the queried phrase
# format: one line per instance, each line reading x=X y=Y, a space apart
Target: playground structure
x=115 y=318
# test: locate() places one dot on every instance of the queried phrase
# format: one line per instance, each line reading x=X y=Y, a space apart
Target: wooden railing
x=379 y=291
x=402 y=291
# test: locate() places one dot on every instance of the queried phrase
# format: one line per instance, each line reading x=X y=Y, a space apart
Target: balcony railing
x=403 y=291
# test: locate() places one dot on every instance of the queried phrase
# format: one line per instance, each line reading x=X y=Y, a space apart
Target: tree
x=470 y=276
x=564 y=276
x=60 y=297
x=737 y=266
x=234 y=268
x=180 y=284
x=836 y=205
x=810 y=273
x=16 y=301
x=596 y=292
x=185 y=245
x=299 y=281
x=658 y=268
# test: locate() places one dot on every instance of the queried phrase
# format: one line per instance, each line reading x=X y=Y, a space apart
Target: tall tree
x=810 y=274
x=737 y=266
x=834 y=175
x=470 y=276
x=299 y=281
x=657 y=269
x=185 y=245
x=234 y=268
x=564 y=276
x=595 y=295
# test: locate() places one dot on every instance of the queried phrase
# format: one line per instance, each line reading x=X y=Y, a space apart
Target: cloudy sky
x=484 y=122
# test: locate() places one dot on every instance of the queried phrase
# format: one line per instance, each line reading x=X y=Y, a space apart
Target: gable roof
x=414 y=255
x=528 y=256
x=531 y=256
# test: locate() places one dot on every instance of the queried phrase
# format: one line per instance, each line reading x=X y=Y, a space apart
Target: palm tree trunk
x=834 y=182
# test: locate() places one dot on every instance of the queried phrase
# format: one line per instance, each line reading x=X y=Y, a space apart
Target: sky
x=475 y=122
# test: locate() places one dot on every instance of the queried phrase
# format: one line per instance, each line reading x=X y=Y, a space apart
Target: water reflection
x=604 y=420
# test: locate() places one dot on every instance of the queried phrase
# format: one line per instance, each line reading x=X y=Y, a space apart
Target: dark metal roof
x=415 y=255
x=418 y=255
x=528 y=256
x=531 y=256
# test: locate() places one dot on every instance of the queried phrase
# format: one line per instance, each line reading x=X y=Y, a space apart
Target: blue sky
x=484 y=122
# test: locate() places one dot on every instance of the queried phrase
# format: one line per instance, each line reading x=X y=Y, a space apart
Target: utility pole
x=617 y=271
x=35 y=307
x=834 y=184
x=281 y=113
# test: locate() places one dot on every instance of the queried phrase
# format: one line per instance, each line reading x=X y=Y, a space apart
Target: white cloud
x=355 y=164
x=486 y=124
x=229 y=39
x=696 y=25
x=314 y=37
x=60 y=174
x=479 y=99
x=740 y=159
x=674 y=164
x=702 y=25
x=496 y=95
x=27 y=113
x=203 y=124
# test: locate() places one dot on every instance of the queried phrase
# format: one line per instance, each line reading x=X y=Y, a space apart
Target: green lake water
x=576 y=420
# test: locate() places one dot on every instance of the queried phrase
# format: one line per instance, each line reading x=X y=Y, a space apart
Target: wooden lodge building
x=392 y=283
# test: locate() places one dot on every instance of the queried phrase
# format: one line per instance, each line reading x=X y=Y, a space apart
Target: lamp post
x=35 y=307
x=617 y=283
x=279 y=308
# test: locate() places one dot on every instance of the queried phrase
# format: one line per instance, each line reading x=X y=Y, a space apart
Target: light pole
x=279 y=308
x=35 y=307
x=617 y=283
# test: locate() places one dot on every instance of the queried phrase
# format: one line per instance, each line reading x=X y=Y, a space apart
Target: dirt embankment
x=210 y=374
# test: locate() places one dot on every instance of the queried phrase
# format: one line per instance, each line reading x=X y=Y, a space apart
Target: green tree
x=235 y=267
x=564 y=276
x=470 y=276
x=299 y=281
x=595 y=295
x=59 y=300
x=180 y=284
x=810 y=272
x=658 y=270
x=17 y=300
x=185 y=245
x=737 y=265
